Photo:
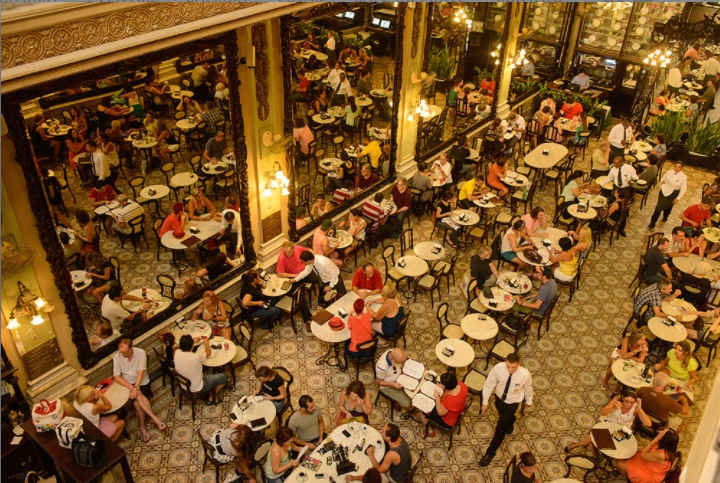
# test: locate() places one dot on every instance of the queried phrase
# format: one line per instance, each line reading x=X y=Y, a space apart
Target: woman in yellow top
x=567 y=259
x=679 y=363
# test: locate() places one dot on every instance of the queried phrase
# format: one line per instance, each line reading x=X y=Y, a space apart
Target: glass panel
x=544 y=55
x=641 y=27
x=546 y=19
x=495 y=18
x=604 y=26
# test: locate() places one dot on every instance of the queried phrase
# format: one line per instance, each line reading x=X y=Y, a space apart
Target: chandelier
x=276 y=179
x=658 y=58
x=496 y=54
x=27 y=305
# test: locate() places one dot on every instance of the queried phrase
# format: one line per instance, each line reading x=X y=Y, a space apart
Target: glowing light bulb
x=410 y=118
x=37 y=320
x=274 y=184
x=13 y=324
x=285 y=191
x=40 y=303
x=267 y=193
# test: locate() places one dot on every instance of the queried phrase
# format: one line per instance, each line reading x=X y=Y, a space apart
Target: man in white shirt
x=112 y=309
x=621 y=135
x=709 y=70
x=330 y=48
x=517 y=124
x=511 y=385
x=674 y=78
x=327 y=271
x=334 y=76
x=100 y=162
x=582 y=80
x=672 y=189
x=621 y=174
x=387 y=370
x=189 y=364
x=130 y=371
x=342 y=91
x=231 y=218
x=119 y=219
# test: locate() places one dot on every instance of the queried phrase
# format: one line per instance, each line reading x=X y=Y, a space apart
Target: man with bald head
x=387 y=369
x=662 y=406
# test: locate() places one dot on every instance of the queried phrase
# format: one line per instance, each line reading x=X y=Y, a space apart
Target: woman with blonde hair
x=212 y=310
x=189 y=106
x=355 y=404
x=387 y=317
x=634 y=346
x=200 y=208
x=91 y=403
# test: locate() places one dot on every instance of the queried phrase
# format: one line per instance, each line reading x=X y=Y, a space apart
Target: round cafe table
x=524 y=284
x=693 y=85
x=160 y=191
x=179 y=94
x=207 y=229
x=318 y=55
x=677 y=308
x=60 y=130
x=687 y=264
x=518 y=182
x=143 y=144
x=364 y=102
x=117 y=395
x=552 y=234
x=260 y=409
x=424 y=250
x=103 y=209
x=499 y=296
x=380 y=93
x=712 y=234
x=470 y=217
x=623 y=449
x=318 y=118
x=160 y=303
x=186 y=124
x=341 y=239
x=381 y=134
x=184 y=179
x=433 y=111
x=215 y=169
x=542 y=252
x=389 y=207
x=414 y=266
x=555 y=153
x=193 y=328
x=639 y=155
x=629 y=376
x=476 y=328
x=490 y=203
x=220 y=357
x=590 y=214
x=594 y=201
x=329 y=164
x=670 y=333
x=604 y=182
x=273 y=286
x=641 y=146
x=79 y=276
x=464 y=353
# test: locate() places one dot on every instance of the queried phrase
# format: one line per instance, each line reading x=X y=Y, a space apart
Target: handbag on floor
x=47 y=415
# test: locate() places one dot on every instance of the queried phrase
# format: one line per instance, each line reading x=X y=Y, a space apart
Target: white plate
x=639 y=30
x=596 y=22
x=616 y=26
x=642 y=20
x=592 y=38
x=498 y=18
x=551 y=30
x=612 y=42
x=636 y=46
x=538 y=11
x=536 y=25
x=555 y=15
x=644 y=10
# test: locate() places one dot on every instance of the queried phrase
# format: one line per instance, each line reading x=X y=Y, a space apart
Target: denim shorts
x=509 y=256
x=212 y=380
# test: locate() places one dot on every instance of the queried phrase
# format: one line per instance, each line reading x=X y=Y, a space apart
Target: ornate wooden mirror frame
x=286 y=24
x=39 y=205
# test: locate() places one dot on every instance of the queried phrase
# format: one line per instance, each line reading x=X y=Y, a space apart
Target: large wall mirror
x=158 y=174
x=462 y=46
x=342 y=76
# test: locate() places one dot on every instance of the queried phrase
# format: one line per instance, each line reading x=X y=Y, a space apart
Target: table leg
x=332 y=357
x=180 y=266
x=127 y=473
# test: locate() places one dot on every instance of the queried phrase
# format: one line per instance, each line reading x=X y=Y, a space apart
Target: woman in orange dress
x=651 y=463
x=496 y=173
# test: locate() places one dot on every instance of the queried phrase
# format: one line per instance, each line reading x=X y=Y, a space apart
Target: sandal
x=567 y=449
x=146 y=437
x=428 y=432
x=604 y=385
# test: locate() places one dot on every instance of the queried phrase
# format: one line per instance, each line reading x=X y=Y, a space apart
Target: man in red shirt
x=301 y=92
x=102 y=194
x=571 y=109
x=175 y=220
x=695 y=215
x=367 y=178
x=367 y=281
x=289 y=264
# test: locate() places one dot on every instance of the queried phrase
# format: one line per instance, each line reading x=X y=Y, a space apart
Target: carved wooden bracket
x=259 y=41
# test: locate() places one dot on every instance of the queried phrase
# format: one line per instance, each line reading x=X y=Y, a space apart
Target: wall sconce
x=461 y=16
x=658 y=58
x=275 y=179
x=519 y=59
x=496 y=54
x=420 y=109
x=27 y=305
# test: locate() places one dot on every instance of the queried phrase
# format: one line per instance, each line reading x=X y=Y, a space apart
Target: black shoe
x=486 y=460
x=651 y=226
x=622 y=233
x=665 y=220
x=511 y=430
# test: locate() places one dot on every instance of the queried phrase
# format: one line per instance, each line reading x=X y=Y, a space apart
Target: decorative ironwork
x=259 y=41
x=676 y=29
x=289 y=162
x=10 y=102
x=417 y=16
x=286 y=27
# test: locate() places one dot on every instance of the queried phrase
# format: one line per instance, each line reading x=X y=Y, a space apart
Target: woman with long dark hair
x=652 y=462
x=352 y=111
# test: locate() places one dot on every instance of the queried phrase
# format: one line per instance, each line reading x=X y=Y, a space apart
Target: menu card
x=411 y=374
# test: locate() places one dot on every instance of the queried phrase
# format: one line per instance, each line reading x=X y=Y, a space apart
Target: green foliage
x=442 y=63
x=590 y=106
x=483 y=74
x=703 y=139
x=671 y=125
x=520 y=87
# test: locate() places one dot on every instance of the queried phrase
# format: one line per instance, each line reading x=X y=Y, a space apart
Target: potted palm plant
x=442 y=63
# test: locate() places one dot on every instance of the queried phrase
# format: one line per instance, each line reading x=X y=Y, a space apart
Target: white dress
x=618 y=417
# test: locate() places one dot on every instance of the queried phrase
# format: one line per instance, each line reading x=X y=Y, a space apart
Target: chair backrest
x=413 y=470
x=229 y=309
x=441 y=316
x=183 y=383
x=550 y=307
x=163 y=362
x=367 y=349
x=510 y=469
x=470 y=294
x=261 y=451
x=388 y=254
x=136 y=182
x=652 y=240
x=406 y=240
x=402 y=325
x=304 y=195
x=287 y=377
x=167 y=284
x=137 y=223
x=208 y=450
x=196 y=162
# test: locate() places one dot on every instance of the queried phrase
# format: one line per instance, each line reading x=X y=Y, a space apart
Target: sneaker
x=231 y=477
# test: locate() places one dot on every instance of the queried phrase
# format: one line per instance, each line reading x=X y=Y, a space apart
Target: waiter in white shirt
x=327 y=272
x=672 y=188
x=342 y=91
x=709 y=70
x=621 y=135
x=674 y=78
x=511 y=384
x=333 y=77
x=231 y=218
x=330 y=48
x=621 y=175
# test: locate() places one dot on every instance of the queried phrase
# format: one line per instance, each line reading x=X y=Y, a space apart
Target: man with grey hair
x=661 y=406
x=120 y=217
x=600 y=160
x=387 y=369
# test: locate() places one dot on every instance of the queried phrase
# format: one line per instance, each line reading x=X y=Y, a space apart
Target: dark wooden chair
x=450 y=431
x=166 y=370
x=366 y=352
x=167 y=285
x=184 y=385
x=209 y=453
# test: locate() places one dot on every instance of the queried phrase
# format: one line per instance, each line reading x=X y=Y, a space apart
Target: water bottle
x=625 y=366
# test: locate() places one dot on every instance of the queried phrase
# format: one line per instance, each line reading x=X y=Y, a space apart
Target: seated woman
x=515 y=240
x=91 y=403
x=713 y=190
x=443 y=211
x=254 y=300
x=78 y=121
x=106 y=113
x=696 y=241
x=680 y=364
x=662 y=99
x=355 y=404
x=355 y=225
x=580 y=125
x=75 y=144
x=634 y=346
x=236 y=442
x=567 y=259
x=321 y=206
x=574 y=188
x=614 y=211
x=220 y=264
x=535 y=222
x=549 y=102
x=321 y=102
x=190 y=286
x=660 y=148
x=360 y=328
x=448 y=406
x=200 y=208
x=544 y=116
x=212 y=310
x=622 y=410
x=164 y=139
x=190 y=107
x=279 y=462
x=270 y=386
x=495 y=174
x=168 y=339
x=87 y=234
x=556 y=136
x=652 y=462
x=584 y=236
x=387 y=317
x=102 y=274
x=41 y=139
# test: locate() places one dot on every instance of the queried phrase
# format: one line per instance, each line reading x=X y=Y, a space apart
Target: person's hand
x=96 y=394
x=196 y=339
x=147 y=300
x=639 y=403
x=484 y=409
x=311 y=446
x=688 y=385
x=657 y=367
x=397 y=385
x=134 y=392
x=348 y=478
x=292 y=280
x=294 y=463
x=675 y=201
x=677 y=292
x=327 y=288
x=147 y=306
x=371 y=450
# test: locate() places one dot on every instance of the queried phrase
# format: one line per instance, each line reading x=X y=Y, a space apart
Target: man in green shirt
x=364 y=85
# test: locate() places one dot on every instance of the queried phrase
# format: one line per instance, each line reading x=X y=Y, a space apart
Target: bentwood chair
x=209 y=452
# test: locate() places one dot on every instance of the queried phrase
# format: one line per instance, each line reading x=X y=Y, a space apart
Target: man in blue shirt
x=542 y=298
x=582 y=80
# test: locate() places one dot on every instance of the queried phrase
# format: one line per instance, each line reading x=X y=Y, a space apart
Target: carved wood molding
x=14 y=119
x=85 y=33
x=428 y=29
x=286 y=25
x=417 y=16
x=259 y=41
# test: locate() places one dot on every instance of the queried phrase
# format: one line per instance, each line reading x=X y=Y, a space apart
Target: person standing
x=330 y=48
x=621 y=136
x=672 y=189
x=511 y=385
x=674 y=79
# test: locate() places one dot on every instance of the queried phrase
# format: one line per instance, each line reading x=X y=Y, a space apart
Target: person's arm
x=512 y=238
x=275 y=459
x=439 y=408
x=206 y=342
x=640 y=413
x=279 y=397
x=341 y=405
x=693 y=378
x=687 y=220
x=102 y=406
x=105 y=276
x=666 y=269
x=380 y=314
x=306 y=271
x=611 y=406
x=661 y=364
x=388 y=460
x=536 y=304
x=247 y=301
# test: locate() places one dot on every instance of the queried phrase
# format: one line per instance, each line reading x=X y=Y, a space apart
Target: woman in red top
x=488 y=84
x=448 y=407
x=496 y=173
x=359 y=325
x=402 y=197
x=651 y=463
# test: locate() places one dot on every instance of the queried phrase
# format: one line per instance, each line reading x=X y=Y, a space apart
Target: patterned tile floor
x=567 y=364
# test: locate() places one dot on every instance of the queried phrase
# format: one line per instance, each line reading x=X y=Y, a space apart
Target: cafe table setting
x=54 y=128
x=585 y=213
x=363 y=101
x=489 y=200
x=255 y=412
x=80 y=280
x=275 y=286
x=515 y=180
x=688 y=263
x=594 y=201
x=342 y=239
x=501 y=300
x=429 y=250
x=604 y=182
x=514 y=283
x=454 y=353
x=678 y=308
x=159 y=303
x=479 y=327
x=305 y=54
x=465 y=217
x=215 y=168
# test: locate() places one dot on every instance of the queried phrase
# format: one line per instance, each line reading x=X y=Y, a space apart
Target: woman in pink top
x=535 y=220
x=359 y=325
x=303 y=134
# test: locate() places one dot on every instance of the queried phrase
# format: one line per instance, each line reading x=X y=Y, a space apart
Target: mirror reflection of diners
x=343 y=80
x=142 y=186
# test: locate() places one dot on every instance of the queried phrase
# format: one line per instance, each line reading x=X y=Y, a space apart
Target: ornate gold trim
x=259 y=41
x=417 y=16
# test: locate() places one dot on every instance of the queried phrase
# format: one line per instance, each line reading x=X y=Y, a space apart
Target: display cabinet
x=495 y=15
x=604 y=26
x=641 y=25
x=601 y=70
x=546 y=19
x=544 y=55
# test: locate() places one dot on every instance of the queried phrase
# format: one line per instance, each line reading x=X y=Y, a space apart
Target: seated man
x=231 y=218
x=658 y=404
x=679 y=246
x=219 y=265
x=307 y=423
x=112 y=309
x=397 y=461
x=175 y=220
x=581 y=80
x=697 y=215
x=367 y=178
x=367 y=281
x=542 y=297
x=189 y=364
x=472 y=190
x=69 y=249
x=651 y=300
x=211 y=116
x=378 y=217
x=387 y=370
x=655 y=262
x=421 y=185
x=215 y=147
x=372 y=150
x=130 y=371
x=120 y=218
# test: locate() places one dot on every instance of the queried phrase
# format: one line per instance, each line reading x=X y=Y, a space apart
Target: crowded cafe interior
x=502 y=217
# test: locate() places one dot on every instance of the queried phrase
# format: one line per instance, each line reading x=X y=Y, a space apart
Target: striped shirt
x=650 y=297
x=340 y=195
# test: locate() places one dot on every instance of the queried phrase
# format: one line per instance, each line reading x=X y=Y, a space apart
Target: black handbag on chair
x=87 y=452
